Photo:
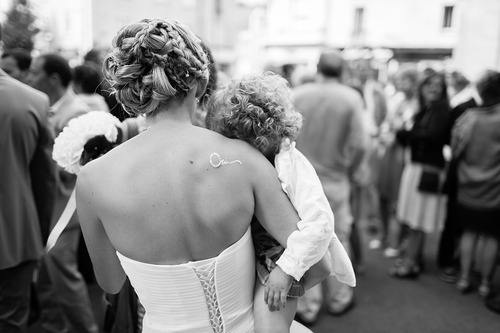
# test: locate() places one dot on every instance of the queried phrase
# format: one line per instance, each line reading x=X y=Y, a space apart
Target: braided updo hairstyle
x=154 y=62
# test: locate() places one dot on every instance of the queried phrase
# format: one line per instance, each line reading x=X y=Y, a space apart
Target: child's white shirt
x=316 y=233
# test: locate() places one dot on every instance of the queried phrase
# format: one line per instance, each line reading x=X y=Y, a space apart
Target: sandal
x=464 y=285
x=484 y=289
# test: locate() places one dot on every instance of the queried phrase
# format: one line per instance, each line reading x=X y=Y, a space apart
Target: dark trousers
x=122 y=315
x=15 y=294
x=450 y=236
x=62 y=290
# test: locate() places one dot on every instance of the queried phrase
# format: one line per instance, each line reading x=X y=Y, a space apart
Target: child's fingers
x=283 y=300
x=276 y=301
x=266 y=294
x=270 y=300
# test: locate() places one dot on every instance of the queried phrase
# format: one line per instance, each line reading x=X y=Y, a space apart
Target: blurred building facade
x=478 y=42
x=251 y=35
x=74 y=27
x=217 y=22
x=461 y=34
x=65 y=26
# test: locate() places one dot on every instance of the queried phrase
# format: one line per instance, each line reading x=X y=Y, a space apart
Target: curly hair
x=153 y=62
x=257 y=109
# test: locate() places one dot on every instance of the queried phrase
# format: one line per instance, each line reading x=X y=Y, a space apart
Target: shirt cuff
x=291 y=267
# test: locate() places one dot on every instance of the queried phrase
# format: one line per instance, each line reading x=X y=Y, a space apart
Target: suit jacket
x=27 y=185
x=68 y=107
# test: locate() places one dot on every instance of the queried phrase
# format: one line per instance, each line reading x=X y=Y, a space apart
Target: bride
x=171 y=208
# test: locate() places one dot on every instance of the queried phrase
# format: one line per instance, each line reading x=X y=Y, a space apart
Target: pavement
x=426 y=304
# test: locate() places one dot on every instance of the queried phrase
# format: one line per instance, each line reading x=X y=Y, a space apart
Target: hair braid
x=153 y=62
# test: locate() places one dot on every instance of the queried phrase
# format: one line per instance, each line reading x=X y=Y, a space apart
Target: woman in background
x=392 y=157
x=421 y=204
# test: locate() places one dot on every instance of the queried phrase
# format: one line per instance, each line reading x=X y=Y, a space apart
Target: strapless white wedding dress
x=211 y=295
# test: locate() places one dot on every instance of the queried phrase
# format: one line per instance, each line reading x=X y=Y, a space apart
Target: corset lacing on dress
x=206 y=275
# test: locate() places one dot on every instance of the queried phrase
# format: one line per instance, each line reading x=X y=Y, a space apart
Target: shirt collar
x=55 y=107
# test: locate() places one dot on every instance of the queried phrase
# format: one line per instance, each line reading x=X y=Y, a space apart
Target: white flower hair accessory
x=69 y=144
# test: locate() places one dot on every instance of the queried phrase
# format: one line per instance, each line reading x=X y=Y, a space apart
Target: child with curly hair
x=259 y=110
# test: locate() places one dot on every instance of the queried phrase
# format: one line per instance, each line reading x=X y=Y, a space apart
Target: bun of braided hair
x=154 y=62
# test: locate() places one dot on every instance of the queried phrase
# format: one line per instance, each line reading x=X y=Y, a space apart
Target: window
x=448 y=16
x=358 y=21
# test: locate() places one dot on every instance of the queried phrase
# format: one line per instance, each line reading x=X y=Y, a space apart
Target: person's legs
x=488 y=264
x=52 y=319
x=373 y=207
x=356 y=248
x=409 y=266
x=449 y=243
x=68 y=285
x=414 y=246
x=396 y=237
x=337 y=193
x=356 y=203
x=420 y=260
x=385 y=218
x=403 y=236
x=340 y=297
x=467 y=250
x=267 y=321
x=446 y=248
x=15 y=297
x=309 y=305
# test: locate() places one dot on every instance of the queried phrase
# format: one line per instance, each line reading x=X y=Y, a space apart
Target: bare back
x=161 y=201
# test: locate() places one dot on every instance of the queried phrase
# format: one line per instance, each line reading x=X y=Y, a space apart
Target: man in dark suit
x=27 y=193
x=61 y=287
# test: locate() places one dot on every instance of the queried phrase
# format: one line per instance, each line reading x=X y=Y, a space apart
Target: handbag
x=430 y=181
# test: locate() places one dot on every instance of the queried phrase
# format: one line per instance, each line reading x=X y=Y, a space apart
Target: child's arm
x=316 y=229
x=300 y=182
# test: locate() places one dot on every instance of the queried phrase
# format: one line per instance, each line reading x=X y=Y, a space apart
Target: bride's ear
x=201 y=85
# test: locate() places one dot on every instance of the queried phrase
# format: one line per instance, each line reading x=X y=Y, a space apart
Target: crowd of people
x=174 y=219
x=431 y=168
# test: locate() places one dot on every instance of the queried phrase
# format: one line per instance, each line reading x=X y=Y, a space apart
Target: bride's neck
x=176 y=111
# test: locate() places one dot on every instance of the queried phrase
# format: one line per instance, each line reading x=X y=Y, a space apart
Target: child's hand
x=277 y=288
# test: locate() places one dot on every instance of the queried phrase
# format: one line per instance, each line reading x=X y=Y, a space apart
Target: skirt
x=420 y=211
x=479 y=220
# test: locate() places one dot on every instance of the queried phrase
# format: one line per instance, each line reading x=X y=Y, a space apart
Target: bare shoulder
x=88 y=177
x=94 y=176
x=253 y=159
